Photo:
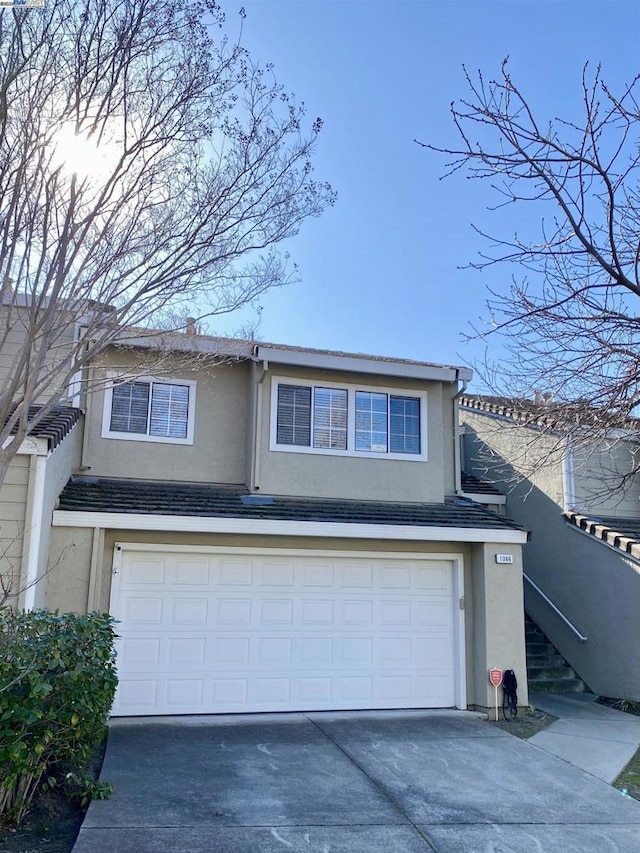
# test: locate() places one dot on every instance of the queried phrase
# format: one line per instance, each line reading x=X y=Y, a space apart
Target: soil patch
x=529 y=722
x=54 y=821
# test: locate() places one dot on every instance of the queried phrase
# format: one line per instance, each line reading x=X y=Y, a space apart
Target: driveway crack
x=382 y=790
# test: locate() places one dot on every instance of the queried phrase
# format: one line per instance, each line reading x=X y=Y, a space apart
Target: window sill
x=153 y=439
x=350 y=454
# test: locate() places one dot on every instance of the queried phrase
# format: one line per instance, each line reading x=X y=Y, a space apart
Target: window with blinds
x=150 y=409
x=294 y=415
x=348 y=420
x=330 y=418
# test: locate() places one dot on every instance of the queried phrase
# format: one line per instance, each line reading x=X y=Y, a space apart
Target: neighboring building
x=581 y=503
x=277 y=528
x=34 y=480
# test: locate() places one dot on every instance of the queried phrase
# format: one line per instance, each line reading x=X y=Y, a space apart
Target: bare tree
x=146 y=163
x=569 y=319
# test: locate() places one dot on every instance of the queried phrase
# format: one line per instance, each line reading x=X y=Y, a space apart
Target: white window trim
x=351 y=420
x=117 y=379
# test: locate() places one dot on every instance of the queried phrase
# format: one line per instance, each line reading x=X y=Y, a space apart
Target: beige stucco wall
x=67 y=581
x=496 y=622
x=13 y=501
x=222 y=425
x=602 y=482
x=599 y=592
x=494 y=631
x=594 y=586
x=352 y=477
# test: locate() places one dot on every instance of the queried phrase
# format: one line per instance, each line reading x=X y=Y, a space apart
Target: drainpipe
x=568 y=479
x=257 y=423
x=33 y=522
x=456 y=434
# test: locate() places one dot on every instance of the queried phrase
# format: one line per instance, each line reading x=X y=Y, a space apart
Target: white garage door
x=217 y=632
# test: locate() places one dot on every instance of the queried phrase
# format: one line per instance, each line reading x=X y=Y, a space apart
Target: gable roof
x=232 y=348
x=87 y=494
x=55 y=425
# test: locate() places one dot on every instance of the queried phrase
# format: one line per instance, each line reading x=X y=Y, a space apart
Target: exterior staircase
x=547 y=670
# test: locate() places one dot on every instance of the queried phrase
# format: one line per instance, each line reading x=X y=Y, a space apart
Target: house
x=278 y=528
x=581 y=501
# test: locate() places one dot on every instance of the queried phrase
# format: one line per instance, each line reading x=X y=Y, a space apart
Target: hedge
x=57 y=682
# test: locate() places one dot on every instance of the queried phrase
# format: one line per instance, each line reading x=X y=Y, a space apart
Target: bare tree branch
x=569 y=321
x=147 y=165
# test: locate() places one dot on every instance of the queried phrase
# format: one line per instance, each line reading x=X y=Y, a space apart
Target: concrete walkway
x=390 y=782
x=587 y=735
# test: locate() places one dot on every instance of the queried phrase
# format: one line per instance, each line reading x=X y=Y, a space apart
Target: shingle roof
x=473 y=485
x=245 y=349
x=86 y=494
x=620 y=533
x=55 y=425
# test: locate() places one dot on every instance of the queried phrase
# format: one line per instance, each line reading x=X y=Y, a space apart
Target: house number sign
x=504 y=558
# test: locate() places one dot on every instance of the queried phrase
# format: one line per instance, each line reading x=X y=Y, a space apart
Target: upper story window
x=150 y=410
x=351 y=421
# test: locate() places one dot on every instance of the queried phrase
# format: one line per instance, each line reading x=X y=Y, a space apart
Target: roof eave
x=277 y=527
x=359 y=364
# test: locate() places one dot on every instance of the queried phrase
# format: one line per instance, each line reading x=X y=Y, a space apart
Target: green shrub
x=57 y=682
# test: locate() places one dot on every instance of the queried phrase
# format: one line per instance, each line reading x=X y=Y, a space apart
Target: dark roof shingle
x=473 y=485
x=86 y=494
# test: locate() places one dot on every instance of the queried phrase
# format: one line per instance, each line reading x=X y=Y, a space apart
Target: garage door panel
x=270 y=691
x=231 y=633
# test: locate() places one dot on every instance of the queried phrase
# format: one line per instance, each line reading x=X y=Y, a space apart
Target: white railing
x=570 y=625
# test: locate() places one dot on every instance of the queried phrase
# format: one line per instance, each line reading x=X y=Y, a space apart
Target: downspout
x=257 y=423
x=456 y=434
x=33 y=533
x=86 y=426
x=568 y=479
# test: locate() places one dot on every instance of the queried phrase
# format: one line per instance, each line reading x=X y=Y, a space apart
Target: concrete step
x=557 y=685
x=542 y=649
x=534 y=661
x=547 y=670
x=559 y=671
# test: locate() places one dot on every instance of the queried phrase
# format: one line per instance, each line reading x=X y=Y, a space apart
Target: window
x=330 y=418
x=352 y=421
x=150 y=410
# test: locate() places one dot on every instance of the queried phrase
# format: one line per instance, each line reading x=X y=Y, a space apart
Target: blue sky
x=381 y=270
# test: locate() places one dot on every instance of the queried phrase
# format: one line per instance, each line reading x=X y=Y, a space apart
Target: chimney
x=537 y=397
x=191 y=327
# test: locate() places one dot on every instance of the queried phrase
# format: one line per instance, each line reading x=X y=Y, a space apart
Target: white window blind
x=330 y=418
x=158 y=409
x=169 y=410
x=130 y=407
x=294 y=415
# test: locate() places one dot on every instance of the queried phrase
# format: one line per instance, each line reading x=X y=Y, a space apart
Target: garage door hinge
x=461 y=603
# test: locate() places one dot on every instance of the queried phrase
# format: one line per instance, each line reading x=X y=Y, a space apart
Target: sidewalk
x=590 y=736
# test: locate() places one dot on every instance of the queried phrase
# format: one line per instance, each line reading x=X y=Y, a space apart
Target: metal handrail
x=580 y=636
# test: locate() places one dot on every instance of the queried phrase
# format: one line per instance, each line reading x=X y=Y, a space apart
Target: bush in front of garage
x=57 y=683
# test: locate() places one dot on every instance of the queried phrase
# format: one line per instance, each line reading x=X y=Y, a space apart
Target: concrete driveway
x=392 y=782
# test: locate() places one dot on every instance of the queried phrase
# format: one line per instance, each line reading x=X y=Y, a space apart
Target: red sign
x=495 y=677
